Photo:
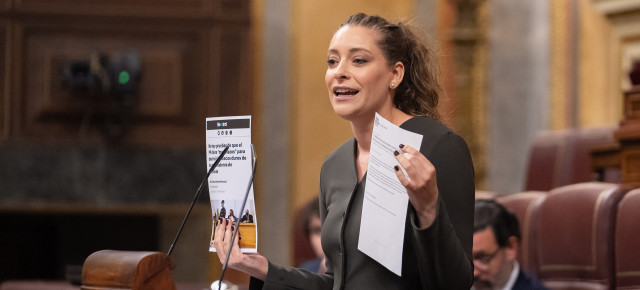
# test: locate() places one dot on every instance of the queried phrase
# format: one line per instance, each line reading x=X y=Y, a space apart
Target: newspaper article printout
x=385 y=204
x=228 y=182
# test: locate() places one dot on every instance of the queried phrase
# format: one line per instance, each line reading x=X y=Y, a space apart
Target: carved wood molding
x=613 y=7
x=562 y=64
x=4 y=75
x=623 y=17
x=469 y=37
x=185 y=62
x=226 y=10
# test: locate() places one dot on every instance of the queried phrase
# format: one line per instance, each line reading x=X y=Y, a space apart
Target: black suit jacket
x=526 y=281
x=438 y=257
x=246 y=218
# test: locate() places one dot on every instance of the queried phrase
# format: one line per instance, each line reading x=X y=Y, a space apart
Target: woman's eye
x=331 y=62
x=360 y=61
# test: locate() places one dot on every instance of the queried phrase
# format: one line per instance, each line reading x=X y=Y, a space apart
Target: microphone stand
x=215 y=164
x=237 y=226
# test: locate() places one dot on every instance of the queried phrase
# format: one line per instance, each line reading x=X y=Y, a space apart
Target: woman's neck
x=362 y=132
x=363 y=129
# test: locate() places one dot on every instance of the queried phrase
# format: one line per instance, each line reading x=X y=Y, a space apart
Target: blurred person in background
x=496 y=239
x=312 y=230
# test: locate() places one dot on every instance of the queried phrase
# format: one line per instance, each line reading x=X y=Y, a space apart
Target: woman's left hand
x=421 y=183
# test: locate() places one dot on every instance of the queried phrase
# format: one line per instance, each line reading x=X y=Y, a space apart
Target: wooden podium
x=111 y=270
x=624 y=154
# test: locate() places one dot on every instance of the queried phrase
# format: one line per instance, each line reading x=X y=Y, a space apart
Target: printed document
x=228 y=182
x=384 y=209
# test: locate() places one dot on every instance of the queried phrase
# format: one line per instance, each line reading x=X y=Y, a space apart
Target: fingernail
x=401 y=146
x=396 y=153
x=396 y=167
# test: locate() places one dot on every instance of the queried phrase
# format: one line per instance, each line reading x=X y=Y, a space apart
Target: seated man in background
x=496 y=239
x=247 y=217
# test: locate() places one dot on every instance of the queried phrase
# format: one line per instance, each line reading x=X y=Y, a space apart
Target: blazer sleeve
x=282 y=277
x=287 y=278
x=444 y=248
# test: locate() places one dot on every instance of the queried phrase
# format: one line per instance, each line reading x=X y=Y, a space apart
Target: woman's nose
x=341 y=71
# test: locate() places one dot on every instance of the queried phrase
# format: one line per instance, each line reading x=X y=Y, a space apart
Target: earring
x=392 y=85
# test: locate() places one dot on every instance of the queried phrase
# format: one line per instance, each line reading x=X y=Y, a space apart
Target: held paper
x=384 y=208
x=228 y=182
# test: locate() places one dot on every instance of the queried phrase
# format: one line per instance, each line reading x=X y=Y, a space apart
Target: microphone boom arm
x=195 y=198
x=235 y=232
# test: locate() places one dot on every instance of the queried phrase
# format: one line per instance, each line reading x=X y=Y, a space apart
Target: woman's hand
x=224 y=231
x=421 y=183
x=252 y=264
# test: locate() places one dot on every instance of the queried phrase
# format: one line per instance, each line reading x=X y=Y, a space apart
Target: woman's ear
x=398 y=74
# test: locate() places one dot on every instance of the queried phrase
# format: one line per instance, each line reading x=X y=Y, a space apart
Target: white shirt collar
x=513 y=277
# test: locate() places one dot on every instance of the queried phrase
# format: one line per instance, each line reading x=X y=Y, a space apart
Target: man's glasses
x=485 y=258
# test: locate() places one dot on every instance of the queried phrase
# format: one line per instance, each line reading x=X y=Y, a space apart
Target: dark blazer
x=526 y=281
x=223 y=212
x=246 y=218
x=438 y=257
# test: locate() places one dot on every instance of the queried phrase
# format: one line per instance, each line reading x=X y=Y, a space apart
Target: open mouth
x=345 y=92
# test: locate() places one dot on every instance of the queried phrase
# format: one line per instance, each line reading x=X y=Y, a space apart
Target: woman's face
x=358 y=75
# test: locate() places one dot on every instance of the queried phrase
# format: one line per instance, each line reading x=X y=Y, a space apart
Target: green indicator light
x=123 y=77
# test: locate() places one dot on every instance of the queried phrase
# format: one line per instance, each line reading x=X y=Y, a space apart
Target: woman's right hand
x=252 y=264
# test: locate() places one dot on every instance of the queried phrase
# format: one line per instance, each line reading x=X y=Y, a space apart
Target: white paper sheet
x=228 y=182
x=385 y=203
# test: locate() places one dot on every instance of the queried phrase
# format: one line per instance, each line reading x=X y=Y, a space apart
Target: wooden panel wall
x=195 y=57
x=4 y=69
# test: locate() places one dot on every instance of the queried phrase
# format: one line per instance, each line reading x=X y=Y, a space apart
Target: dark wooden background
x=57 y=165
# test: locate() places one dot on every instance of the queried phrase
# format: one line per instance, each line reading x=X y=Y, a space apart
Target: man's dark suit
x=223 y=212
x=527 y=281
x=246 y=218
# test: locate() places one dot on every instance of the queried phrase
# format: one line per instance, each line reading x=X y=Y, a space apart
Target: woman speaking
x=377 y=66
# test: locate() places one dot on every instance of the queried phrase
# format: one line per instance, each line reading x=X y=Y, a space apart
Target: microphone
x=235 y=232
x=215 y=164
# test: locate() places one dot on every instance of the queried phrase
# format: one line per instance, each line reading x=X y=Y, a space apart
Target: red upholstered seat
x=559 y=158
x=544 y=160
x=627 y=241
x=524 y=205
x=574 y=228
